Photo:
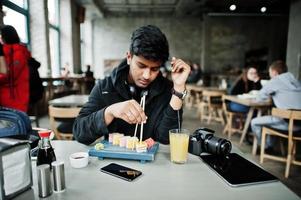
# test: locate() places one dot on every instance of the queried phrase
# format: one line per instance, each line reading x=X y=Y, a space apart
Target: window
x=54 y=36
x=20 y=3
x=16 y=15
x=82 y=46
x=54 y=51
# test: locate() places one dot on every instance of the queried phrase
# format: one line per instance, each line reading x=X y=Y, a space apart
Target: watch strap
x=181 y=95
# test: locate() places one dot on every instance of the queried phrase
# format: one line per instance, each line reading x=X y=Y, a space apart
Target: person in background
x=89 y=73
x=3 y=67
x=285 y=91
x=65 y=72
x=249 y=80
x=89 y=79
x=113 y=103
x=14 y=85
x=195 y=74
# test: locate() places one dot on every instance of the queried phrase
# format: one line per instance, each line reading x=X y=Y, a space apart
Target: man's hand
x=130 y=111
x=179 y=74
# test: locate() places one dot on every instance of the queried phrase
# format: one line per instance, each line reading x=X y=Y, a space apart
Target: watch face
x=184 y=94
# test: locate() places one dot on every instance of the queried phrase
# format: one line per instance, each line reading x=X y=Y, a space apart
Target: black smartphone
x=120 y=171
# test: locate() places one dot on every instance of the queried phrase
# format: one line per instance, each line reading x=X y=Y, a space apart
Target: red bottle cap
x=45 y=133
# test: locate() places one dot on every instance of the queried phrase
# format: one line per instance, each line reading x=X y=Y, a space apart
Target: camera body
x=203 y=140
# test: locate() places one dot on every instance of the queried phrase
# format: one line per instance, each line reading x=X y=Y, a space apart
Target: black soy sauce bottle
x=46 y=153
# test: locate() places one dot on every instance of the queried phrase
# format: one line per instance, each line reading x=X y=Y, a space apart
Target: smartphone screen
x=120 y=171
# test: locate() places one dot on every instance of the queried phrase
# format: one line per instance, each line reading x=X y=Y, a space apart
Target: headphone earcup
x=132 y=90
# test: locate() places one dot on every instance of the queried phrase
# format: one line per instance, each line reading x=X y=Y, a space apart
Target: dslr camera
x=203 y=140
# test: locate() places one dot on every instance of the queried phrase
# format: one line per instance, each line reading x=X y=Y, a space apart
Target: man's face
x=272 y=73
x=142 y=71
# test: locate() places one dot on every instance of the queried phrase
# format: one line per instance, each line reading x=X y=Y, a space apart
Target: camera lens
x=225 y=147
x=217 y=146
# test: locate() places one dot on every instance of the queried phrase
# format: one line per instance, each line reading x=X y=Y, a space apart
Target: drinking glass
x=178 y=145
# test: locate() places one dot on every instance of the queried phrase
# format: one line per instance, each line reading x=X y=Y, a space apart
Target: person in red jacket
x=14 y=84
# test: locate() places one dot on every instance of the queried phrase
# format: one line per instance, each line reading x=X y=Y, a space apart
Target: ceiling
x=182 y=8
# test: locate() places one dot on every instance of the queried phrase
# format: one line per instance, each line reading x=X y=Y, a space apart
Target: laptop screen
x=236 y=170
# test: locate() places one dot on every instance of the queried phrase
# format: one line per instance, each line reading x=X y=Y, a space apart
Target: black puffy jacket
x=90 y=124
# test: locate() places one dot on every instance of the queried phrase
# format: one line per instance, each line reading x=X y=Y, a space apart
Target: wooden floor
x=191 y=123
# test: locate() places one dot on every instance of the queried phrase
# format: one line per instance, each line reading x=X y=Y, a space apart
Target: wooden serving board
x=114 y=151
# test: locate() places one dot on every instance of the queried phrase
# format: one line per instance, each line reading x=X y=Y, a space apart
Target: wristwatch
x=181 y=95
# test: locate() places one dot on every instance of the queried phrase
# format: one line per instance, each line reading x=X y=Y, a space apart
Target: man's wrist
x=108 y=115
x=180 y=95
x=179 y=88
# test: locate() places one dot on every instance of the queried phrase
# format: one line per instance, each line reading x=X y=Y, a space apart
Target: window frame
x=57 y=29
x=23 y=11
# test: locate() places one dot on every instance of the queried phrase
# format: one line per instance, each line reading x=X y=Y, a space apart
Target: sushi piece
x=141 y=147
x=131 y=142
x=99 y=146
x=150 y=142
x=116 y=138
x=123 y=140
x=111 y=137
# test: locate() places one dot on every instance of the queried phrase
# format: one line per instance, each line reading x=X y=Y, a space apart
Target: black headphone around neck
x=133 y=90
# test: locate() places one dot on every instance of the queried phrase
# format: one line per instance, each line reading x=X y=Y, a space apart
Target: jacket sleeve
x=168 y=120
x=237 y=88
x=90 y=124
x=267 y=91
x=17 y=62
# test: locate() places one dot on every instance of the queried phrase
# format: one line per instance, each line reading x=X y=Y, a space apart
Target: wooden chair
x=61 y=112
x=229 y=119
x=290 y=135
x=211 y=106
x=193 y=96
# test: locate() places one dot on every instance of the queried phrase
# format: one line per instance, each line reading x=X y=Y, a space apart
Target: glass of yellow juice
x=178 y=145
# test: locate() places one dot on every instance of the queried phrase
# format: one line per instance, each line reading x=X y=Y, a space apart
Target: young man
x=285 y=91
x=113 y=104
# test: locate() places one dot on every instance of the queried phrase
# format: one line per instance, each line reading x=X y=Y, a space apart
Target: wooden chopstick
x=141 y=127
x=136 y=127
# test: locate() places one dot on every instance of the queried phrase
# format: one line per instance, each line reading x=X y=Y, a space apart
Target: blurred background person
x=3 y=67
x=249 y=80
x=285 y=91
x=14 y=85
x=195 y=74
x=89 y=79
x=65 y=73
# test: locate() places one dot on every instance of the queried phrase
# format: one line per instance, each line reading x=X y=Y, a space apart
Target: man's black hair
x=149 y=42
x=9 y=35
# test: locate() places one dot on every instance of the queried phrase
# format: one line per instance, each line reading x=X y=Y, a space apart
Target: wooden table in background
x=70 y=101
x=194 y=93
x=78 y=84
x=254 y=105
